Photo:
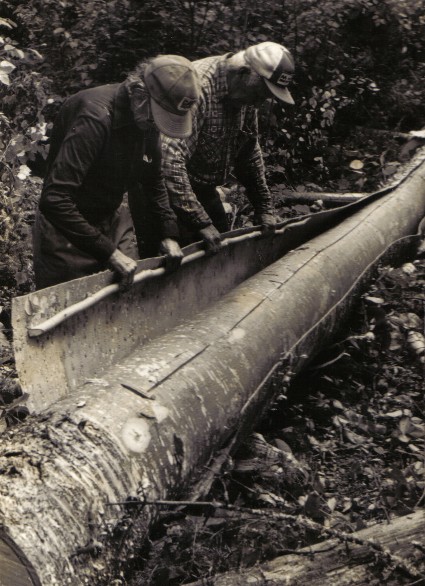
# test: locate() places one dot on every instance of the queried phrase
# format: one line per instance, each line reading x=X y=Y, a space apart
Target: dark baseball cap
x=174 y=88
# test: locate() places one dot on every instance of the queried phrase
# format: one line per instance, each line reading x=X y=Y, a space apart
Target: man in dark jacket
x=106 y=142
x=225 y=139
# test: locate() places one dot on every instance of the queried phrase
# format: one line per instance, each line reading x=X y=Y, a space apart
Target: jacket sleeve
x=249 y=168
x=175 y=155
x=153 y=184
x=76 y=154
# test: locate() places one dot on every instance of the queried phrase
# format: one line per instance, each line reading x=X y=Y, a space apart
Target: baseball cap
x=275 y=64
x=174 y=88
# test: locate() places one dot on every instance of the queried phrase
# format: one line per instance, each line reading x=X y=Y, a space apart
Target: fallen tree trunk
x=337 y=562
x=148 y=423
x=329 y=199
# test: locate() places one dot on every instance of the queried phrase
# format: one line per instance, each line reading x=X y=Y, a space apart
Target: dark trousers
x=212 y=204
x=148 y=239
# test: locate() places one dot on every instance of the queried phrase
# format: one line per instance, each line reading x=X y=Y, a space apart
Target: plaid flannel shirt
x=224 y=139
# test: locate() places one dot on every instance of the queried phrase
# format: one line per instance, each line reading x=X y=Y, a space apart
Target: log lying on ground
x=85 y=336
x=328 y=199
x=151 y=421
x=339 y=563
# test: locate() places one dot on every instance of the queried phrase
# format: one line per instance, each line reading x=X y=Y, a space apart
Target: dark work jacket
x=97 y=153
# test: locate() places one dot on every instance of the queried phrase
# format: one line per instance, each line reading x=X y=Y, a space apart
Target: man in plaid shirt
x=225 y=139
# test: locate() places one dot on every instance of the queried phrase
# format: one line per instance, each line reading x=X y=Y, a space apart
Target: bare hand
x=212 y=238
x=124 y=267
x=173 y=254
x=268 y=224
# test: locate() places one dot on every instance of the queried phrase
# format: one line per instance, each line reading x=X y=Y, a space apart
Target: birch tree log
x=147 y=424
x=309 y=197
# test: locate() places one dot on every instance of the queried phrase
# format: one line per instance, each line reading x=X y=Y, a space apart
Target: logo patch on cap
x=185 y=104
x=284 y=79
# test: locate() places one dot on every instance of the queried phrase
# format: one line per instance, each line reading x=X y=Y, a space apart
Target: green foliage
x=24 y=98
x=359 y=62
x=24 y=93
x=366 y=41
x=16 y=217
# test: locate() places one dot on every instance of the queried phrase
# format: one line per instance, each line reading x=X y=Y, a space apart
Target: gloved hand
x=212 y=238
x=124 y=267
x=268 y=223
x=173 y=253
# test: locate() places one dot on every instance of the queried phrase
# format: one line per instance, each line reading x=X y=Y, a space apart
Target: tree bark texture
x=338 y=563
x=149 y=422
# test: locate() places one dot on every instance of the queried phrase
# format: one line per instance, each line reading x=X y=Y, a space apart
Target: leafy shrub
x=355 y=67
x=359 y=62
x=25 y=97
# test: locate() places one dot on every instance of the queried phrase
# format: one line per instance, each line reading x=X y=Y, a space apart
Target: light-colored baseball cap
x=275 y=64
x=174 y=88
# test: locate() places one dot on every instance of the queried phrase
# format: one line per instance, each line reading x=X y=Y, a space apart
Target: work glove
x=212 y=238
x=173 y=253
x=268 y=223
x=124 y=267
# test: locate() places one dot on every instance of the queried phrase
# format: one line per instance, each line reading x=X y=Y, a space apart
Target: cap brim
x=171 y=124
x=280 y=92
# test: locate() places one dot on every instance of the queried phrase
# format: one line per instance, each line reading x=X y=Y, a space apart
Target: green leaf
x=4 y=78
x=6 y=67
x=7 y=23
x=24 y=172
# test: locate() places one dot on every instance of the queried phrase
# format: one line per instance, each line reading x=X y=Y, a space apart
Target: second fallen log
x=337 y=562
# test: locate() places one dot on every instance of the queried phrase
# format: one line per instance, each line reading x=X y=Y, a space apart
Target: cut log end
x=15 y=569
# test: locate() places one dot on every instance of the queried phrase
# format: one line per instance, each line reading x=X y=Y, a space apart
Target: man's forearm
x=250 y=171
x=63 y=214
x=256 y=189
x=184 y=202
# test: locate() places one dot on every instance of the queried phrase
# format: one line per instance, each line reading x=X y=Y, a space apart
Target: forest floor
x=342 y=445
